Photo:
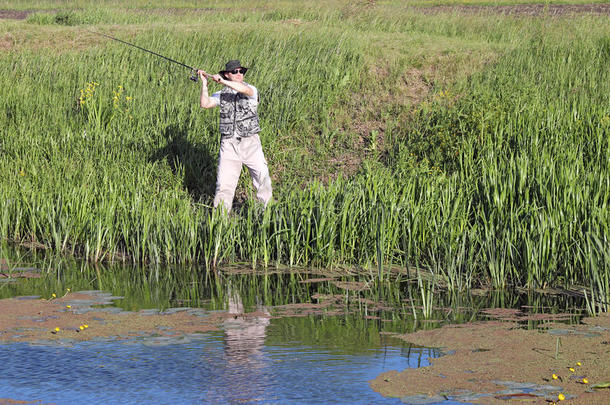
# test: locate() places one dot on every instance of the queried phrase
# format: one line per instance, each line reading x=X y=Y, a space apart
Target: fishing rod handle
x=195 y=75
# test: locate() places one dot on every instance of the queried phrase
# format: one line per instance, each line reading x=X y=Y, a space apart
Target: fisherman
x=240 y=143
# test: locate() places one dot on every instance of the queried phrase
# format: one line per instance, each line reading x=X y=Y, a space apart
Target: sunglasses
x=236 y=71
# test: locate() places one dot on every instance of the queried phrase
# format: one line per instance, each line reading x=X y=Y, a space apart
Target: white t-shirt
x=253 y=99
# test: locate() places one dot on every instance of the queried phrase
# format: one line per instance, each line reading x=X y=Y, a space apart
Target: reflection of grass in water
x=347 y=334
x=390 y=301
x=363 y=303
x=141 y=286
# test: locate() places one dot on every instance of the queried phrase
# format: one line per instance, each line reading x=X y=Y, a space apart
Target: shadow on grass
x=194 y=161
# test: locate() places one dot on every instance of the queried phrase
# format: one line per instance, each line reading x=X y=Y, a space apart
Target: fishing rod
x=194 y=77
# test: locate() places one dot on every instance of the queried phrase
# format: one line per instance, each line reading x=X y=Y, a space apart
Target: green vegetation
x=472 y=147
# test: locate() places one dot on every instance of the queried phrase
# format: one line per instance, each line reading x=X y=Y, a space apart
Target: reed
x=497 y=179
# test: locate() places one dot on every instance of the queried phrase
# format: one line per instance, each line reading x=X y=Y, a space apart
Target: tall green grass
x=503 y=180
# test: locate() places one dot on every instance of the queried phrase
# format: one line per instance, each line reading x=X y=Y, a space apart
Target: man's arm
x=237 y=86
x=205 y=101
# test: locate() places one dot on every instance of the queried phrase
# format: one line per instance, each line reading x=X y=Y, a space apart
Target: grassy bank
x=474 y=147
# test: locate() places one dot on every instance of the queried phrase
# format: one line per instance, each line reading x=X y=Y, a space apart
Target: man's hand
x=203 y=76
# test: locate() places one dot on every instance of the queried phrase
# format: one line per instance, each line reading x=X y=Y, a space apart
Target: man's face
x=236 y=75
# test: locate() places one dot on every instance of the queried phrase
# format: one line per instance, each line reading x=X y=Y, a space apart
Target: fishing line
x=193 y=77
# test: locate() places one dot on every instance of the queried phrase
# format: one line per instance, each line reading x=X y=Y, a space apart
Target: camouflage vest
x=238 y=116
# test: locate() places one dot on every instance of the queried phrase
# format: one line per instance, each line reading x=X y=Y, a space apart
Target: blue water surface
x=204 y=371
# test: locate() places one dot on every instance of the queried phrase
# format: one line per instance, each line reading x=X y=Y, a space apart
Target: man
x=239 y=128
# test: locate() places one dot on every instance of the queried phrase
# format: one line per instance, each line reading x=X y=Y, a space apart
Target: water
x=215 y=369
x=300 y=357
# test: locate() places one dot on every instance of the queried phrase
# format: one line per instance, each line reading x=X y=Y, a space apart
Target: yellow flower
x=67 y=289
x=81 y=327
x=561 y=397
x=53 y=295
x=555 y=376
x=68 y=306
x=585 y=381
x=578 y=363
x=571 y=369
x=86 y=326
x=56 y=329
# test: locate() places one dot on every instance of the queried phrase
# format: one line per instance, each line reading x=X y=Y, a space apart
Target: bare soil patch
x=8 y=14
x=492 y=359
x=177 y=11
x=24 y=273
x=523 y=9
x=5 y=43
x=15 y=14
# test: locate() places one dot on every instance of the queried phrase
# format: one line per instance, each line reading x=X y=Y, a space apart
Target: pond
x=313 y=338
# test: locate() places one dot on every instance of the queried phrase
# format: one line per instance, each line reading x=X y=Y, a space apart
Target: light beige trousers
x=235 y=152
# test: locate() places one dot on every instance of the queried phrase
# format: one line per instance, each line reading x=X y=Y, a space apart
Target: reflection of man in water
x=244 y=341
x=244 y=333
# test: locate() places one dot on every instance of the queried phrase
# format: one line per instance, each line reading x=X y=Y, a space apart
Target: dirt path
x=14 y=14
x=499 y=360
x=523 y=9
x=517 y=9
